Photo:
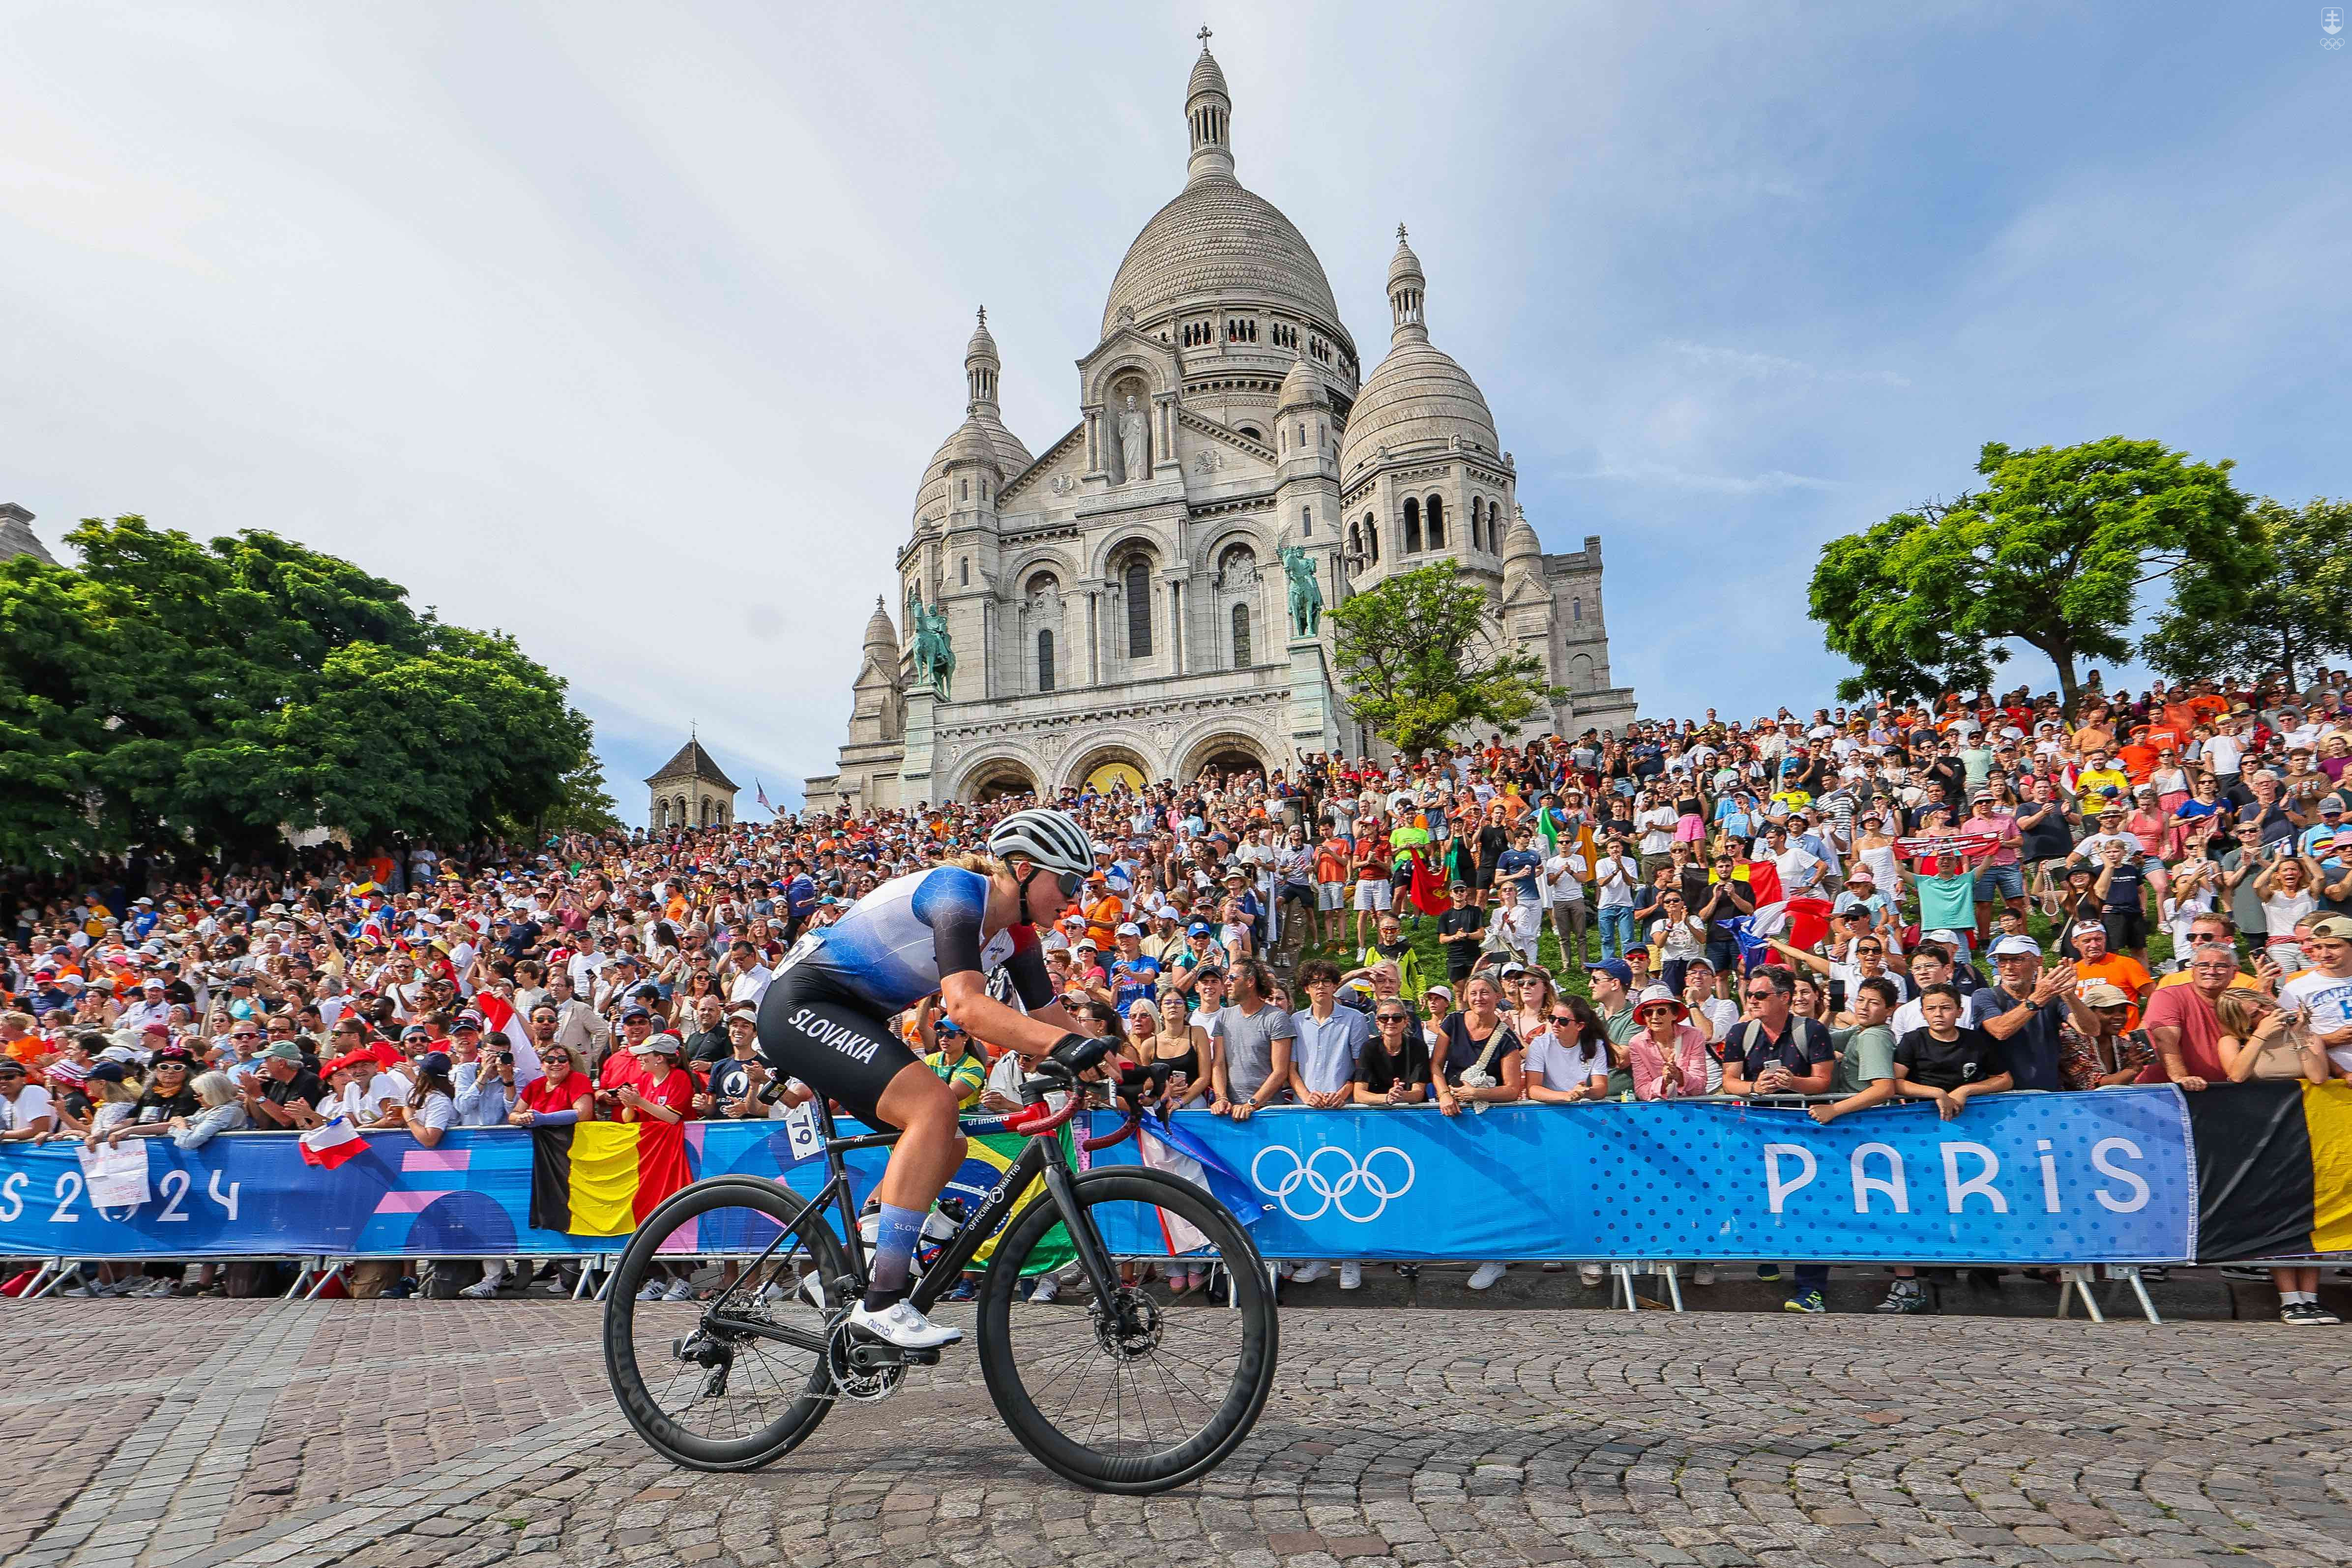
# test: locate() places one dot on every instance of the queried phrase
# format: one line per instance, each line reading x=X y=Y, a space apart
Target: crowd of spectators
x=1935 y=901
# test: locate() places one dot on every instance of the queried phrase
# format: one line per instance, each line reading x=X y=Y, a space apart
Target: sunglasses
x=1764 y=995
x=1563 y=1017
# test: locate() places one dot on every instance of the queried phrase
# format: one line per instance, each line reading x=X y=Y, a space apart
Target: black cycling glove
x=1079 y=1052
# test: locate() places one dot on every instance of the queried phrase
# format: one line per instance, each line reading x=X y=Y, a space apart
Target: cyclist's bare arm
x=985 y=1018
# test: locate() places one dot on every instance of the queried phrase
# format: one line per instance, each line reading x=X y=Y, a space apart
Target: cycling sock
x=894 y=1256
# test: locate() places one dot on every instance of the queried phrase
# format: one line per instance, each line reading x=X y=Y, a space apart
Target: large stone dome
x=1417 y=395
x=1218 y=241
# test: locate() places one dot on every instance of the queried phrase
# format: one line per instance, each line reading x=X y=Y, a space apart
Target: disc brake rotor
x=1129 y=1326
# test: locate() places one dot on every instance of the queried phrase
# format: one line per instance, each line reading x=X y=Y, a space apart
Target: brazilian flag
x=985 y=1161
x=2274 y=1168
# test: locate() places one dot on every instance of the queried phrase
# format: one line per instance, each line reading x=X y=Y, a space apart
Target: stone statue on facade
x=1134 y=443
x=934 y=655
x=1306 y=592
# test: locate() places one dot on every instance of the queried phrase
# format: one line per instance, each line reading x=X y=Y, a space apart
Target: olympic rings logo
x=1333 y=1189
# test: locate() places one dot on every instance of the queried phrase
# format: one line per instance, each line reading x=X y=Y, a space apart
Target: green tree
x=582 y=802
x=2051 y=551
x=176 y=695
x=1422 y=659
x=2288 y=610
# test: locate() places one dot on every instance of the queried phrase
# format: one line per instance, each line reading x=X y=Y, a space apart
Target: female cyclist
x=945 y=929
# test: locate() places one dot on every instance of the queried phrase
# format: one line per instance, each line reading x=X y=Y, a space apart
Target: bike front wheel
x=721 y=1305
x=1133 y=1394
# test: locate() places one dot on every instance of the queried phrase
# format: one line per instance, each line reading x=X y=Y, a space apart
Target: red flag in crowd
x=1428 y=887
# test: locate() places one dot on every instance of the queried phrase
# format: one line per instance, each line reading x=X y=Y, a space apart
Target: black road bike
x=1116 y=1389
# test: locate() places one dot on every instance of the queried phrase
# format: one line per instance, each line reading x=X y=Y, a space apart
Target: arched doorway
x=1227 y=751
x=1107 y=769
x=996 y=780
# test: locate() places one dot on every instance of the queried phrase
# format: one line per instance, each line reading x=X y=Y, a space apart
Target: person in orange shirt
x=2120 y=970
x=19 y=1041
x=2138 y=757
x=1105 y=911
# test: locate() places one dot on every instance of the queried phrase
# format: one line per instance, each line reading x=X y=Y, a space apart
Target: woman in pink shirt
x=1668 y=1057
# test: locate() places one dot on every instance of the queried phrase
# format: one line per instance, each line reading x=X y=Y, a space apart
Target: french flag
x=498 y=1017
x=330 y=1146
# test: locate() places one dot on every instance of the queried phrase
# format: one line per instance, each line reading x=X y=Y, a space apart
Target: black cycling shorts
x=821 y=1033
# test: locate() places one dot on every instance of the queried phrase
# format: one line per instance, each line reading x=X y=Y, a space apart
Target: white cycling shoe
x=901 y=1324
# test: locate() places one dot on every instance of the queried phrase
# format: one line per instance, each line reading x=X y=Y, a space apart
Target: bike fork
x=1084 y=1238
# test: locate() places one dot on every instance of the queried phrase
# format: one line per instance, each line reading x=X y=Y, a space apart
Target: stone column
x=1313 y=706
x=1094 y=636
x=915 y=780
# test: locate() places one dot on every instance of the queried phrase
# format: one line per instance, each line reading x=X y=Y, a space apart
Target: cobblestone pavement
x=383 y=1435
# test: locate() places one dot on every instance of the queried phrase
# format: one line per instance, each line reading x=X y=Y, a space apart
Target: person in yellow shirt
x=2098 y=774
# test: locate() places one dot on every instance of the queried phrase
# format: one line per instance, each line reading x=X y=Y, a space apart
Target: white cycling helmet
x=1047 y=838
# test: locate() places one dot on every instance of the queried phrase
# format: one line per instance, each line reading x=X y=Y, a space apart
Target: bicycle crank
x=866 y=1369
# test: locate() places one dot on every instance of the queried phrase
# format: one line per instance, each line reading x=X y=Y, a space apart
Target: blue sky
x=630 y=331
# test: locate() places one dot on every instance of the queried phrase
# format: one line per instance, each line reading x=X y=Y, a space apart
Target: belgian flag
x=601 y=1178
x=2274 y=1168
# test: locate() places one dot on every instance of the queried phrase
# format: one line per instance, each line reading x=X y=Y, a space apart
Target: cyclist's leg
x=835 y=1043
x=929 y=1151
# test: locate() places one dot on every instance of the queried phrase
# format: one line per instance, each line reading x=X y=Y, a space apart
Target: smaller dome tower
x=1209 y=108
x=1306 y=495
x=1406 y=285
x=981 y=367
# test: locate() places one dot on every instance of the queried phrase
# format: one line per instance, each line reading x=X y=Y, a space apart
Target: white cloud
x=1741 y=364
x=1640 y=473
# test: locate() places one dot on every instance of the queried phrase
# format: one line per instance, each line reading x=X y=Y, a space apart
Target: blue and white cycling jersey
x=893 y=947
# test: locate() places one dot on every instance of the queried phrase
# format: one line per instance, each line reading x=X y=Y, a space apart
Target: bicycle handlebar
x=1034 y=1119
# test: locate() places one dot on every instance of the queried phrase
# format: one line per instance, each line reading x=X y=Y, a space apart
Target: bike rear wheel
x=696 y=1377
x=1134 y=1393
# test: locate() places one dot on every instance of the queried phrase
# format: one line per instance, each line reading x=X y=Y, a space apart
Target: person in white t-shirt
x=2223 y=753
x=26 y=1112
x=2320 y=998
x=1562 y=882
x=1568 y=1060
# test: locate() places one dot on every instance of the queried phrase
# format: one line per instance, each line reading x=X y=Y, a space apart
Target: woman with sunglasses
x=1533 y=995
x=167 y=1094
x=563 y=1097
x=1667 y=1056
x=944 y=928
x=1568 y=1055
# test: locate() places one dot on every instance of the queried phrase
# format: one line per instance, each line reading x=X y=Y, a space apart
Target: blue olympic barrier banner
x=2105 y=1177
x=250 y=1195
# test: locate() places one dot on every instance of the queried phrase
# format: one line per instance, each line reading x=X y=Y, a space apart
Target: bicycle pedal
x=919 y=1358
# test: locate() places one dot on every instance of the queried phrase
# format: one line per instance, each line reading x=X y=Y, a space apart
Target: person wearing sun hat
x=2099 y=1049
x=1667 y=1054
